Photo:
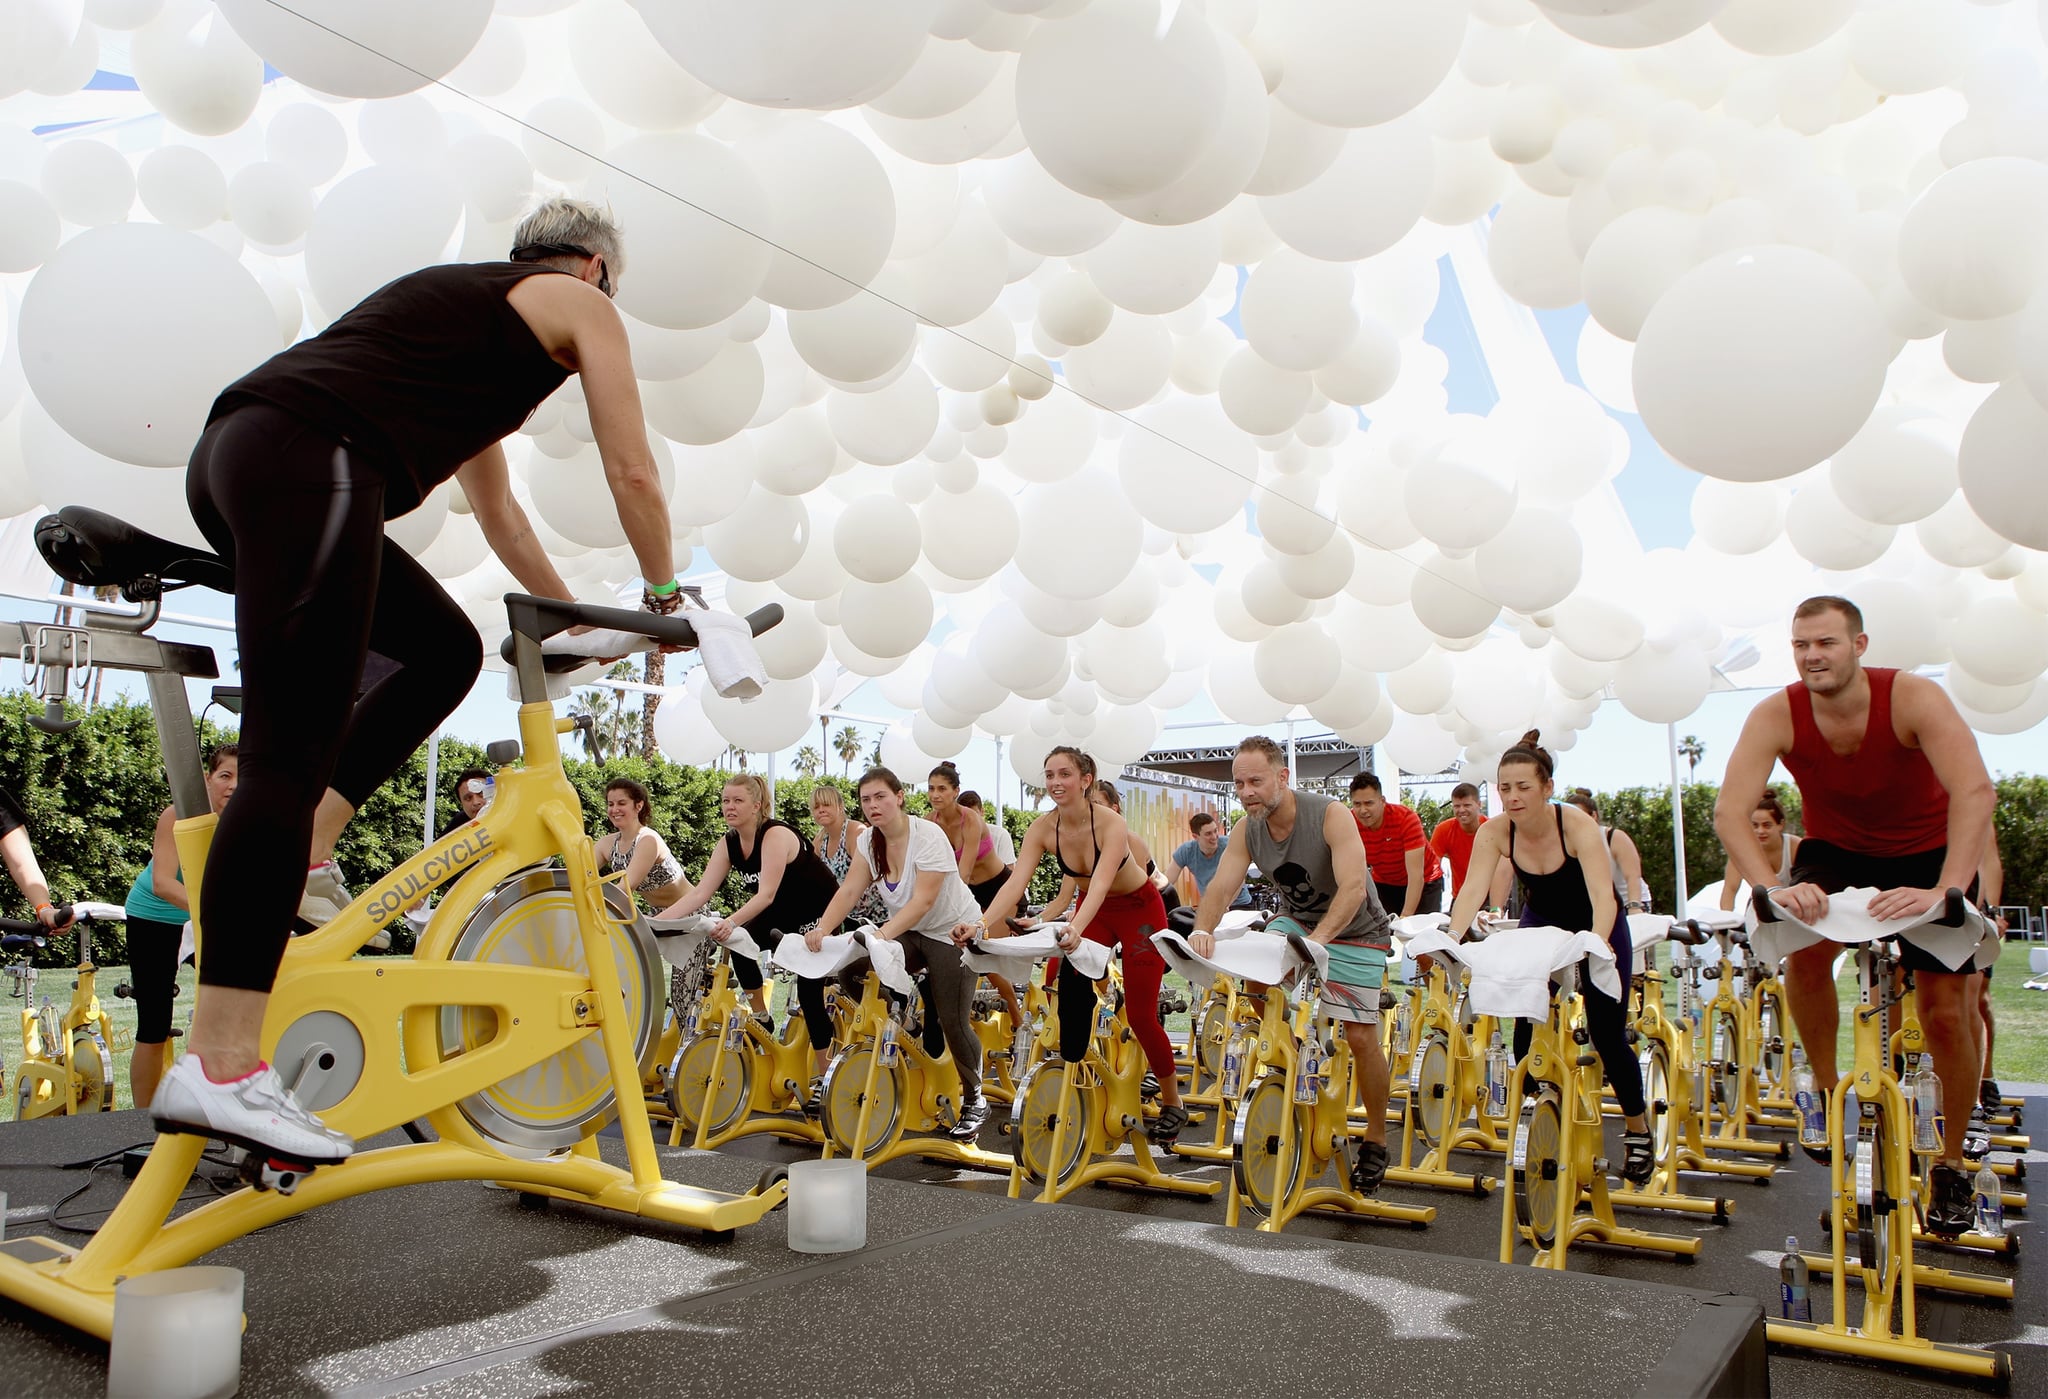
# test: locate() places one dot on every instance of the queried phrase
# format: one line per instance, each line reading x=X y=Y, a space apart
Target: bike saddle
x=95 y=550
x=19 y=942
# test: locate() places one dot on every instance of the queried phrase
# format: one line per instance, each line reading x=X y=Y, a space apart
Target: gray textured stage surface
x=453 y=1290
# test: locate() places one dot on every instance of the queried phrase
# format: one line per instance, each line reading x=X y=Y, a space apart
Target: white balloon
x=1053 y=439
x=1760 y=363
x=1633 y=26
x=29 y=227
x=1533 y=563
x=833 y=215
x=1463 y=494
x=1596 y=629
x=1999 y=464
x=780 y=717
x=970 y=535
x=1120 y=100
x=858 y=341
x=1235 y=690
x=876 y=539
x=1424 y=685
x=375 y=226
x=2000 y=641
x=1261 y=398
x=684 y=732
x=1738 y=517
x=1970 y=246
x=1448 y=599
x=628 y=74
x=1633 y=261
x=182 y=187
x=307 y=137
x=1227 y=164
x=699 y=258
x=1077 y=538
x=825 y=54
x=89 y=182
x=1040 y=214
x=1827 y=534
x=2030 y=344
x=128 y=332
x=195 y=69
x=62 y=471
x=1361 y=65
x=361 y=48
x=1016 y=654
x=1606 y=366
x=1297 y=663
x=1957 y=536
x=563 y=138
x=1367 y=199
x=1662 y=687
x=1900 y=621
x=1899 y=467
x=759 y=539
x=1415 y=743
x=1126 y=366
x=886 y=619
x=889 y=426
x=962 y=275
x=712 y=403
x=270 y=203
x=1531 y=252
x=1297 y=313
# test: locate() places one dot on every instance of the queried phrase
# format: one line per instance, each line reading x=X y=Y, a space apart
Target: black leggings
x=153 y=972
x=317 y=588
x=810 y=991
x=1607 y=1024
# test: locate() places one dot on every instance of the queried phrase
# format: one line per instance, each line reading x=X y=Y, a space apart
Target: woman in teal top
x=158 y=909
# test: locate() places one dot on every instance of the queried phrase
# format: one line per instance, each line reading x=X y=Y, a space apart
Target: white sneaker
x=325 y=895
x=255 y=1111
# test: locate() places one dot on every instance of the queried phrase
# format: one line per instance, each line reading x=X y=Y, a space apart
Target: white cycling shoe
x=255 y=1111
x=326 y=896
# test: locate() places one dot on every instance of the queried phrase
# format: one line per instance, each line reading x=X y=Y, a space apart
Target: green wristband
x=667 y=589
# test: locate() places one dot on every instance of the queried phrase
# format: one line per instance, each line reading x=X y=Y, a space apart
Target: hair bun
x=1531 y=739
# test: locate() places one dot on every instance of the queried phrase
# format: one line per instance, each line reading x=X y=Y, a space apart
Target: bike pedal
x=269 y=1173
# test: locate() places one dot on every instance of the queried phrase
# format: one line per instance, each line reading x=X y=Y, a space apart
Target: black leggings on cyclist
x=153 y=974
x=810 y=991
x=317 y=588
x=1607 y=1024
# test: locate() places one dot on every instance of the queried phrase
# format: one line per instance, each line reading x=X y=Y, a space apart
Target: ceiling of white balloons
x=1055 y=360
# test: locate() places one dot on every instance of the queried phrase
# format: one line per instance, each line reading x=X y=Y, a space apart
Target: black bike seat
x=96 y=550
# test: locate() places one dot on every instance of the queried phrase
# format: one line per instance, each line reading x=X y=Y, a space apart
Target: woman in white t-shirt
x=911 y=864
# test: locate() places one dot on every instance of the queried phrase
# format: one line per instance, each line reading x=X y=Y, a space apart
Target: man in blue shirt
x=1201 y=856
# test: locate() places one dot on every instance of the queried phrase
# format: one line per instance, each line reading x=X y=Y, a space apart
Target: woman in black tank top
x=302 y=462
x=1577 y=893
x=788 y=886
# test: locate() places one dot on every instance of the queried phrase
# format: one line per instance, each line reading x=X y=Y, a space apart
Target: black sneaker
x=1638 y=1158
x=1148 y=1086
x=766 y=1022
x=814 y=1106
x=1951 y=1207
x=1369 y=1170
x=972 y=1115
x=1989 y=1096
x=1165 y=1129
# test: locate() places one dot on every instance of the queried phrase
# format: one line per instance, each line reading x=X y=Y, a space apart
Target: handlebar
x=1955 y=908
x=538 y=618
x=1687 y=933
x=34 y=930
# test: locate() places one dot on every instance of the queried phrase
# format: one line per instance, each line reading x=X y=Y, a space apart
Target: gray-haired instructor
x=301 y=463
x=1895 y=798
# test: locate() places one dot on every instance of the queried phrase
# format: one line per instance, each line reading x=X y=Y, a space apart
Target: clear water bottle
x=1308 y=1073
x=490 y=794
x=1990 y=1200
x=735 y=1029
x=1793 y=1302
x=1926 y=1109
x=1812 y=1105
x=1233 y=1065
x=1020 y=1052
x=1498 y=1071
x=889 y=1048
x=1105 y=1015
x=690 y=1023
x=1401 y=1028
x=1720 y=1050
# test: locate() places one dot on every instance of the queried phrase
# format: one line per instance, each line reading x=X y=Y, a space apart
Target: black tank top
x=418 y=378
x=1559 y=898
x=807 y=881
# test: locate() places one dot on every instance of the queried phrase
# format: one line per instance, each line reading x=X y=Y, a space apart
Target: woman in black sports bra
x=1578 y=894
x=1120 y=909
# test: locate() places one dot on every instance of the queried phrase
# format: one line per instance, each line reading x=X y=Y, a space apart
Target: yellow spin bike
x=67 y=1063
x=1447 y=1107
x=1296 y=1117
x=518 y=1029
x=1743 y=1047
x=1870 y=1176
x=885 y=1096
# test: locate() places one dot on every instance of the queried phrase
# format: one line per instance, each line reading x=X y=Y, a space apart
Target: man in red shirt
x=1405 y=871
x=1895 y=798
x=1452 y=840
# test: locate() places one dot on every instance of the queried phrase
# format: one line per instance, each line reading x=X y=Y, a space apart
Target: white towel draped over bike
x=679 y=938
x=840 y=951
x=1511 y=970
x=1004 y=956
x=1850 y=923
x=1263 y=957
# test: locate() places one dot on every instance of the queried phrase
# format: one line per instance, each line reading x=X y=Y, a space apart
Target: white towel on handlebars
x=1002 y=955
x=1849 y=922
x=1263 y=957
x=678 y=938
x=840 y=951
x=731 y=662
x=1511 y=970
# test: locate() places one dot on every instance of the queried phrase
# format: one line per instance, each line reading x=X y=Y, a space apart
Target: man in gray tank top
x=1309 y=846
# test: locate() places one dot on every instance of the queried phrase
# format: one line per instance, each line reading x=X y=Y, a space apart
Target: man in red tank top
x=1896 y=798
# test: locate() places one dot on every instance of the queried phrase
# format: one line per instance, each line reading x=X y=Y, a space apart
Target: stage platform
x=455 y=1290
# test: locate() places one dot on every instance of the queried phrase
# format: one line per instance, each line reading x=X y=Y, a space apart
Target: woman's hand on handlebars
x=1070 y=936
x=814 y=940
x=964 y=933
x=722 y=929
x=1808 y=902
x=1202 y=944
x=55 y=917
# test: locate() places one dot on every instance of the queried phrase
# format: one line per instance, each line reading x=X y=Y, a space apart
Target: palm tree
x=620 y=723
x=596 y=706
x=1692 y=750
x=847 y=745
x=655 y=674
x=808 y=761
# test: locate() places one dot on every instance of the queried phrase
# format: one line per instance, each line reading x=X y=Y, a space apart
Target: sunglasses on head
x=534 y=252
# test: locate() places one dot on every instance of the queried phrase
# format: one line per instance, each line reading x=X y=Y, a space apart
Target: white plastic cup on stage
x=177 y=1335
x=828 y=1206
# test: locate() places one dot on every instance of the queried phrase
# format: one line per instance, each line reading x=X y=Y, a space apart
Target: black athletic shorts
x=1835 y=869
